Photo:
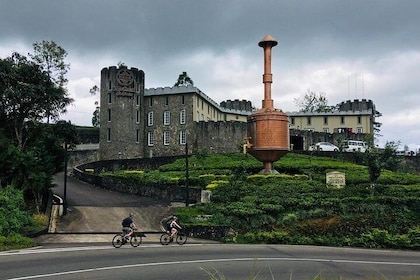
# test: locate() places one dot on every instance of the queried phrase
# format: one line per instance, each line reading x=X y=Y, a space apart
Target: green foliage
x=31 y=90
x=295 y=206
x=13 y=216
x=389 y=157
x=15 y=241
x=183 y=80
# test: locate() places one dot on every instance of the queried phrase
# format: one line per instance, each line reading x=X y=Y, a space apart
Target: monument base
x=268 y=171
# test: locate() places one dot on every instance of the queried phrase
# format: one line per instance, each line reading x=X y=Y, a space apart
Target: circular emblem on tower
x=125 y=77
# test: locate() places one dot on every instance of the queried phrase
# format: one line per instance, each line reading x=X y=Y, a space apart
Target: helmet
x=131 y=214
x=175 y=217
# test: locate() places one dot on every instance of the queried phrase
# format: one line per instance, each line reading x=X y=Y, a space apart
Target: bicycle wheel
x=181 y=238
x=135 y=240
x=164 y=239
x=117 y=241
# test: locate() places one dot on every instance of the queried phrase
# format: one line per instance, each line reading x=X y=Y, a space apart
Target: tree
x=23 y=87
x=183 y=80
x=389 y=158
x=377 y=125
x=372 y=161
x=50 y=57
x=31 y=152
x=96 y=114
x=376 y=161
x=314 y=102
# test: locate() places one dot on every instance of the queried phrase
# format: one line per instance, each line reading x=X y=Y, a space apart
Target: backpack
x=126 y=222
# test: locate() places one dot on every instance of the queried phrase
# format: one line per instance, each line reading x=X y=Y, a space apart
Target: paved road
x=191 y=261
x=92 y=209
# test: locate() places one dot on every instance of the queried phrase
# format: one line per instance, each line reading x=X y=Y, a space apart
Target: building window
x=342 y=120
x=138 y=87
x=183 y=100
x=109 y=115
x=182 y=137
x=137 y=116
x=359 y=130
x=109 y=98
x=150 y=138
x=109 y=85
x=166 y=138
x=202 y=105
x=182 y=116
x=150 y=101
x=150 y=118
x=166 y=100
x=137 y=136
x=166 y=118
x=108 y=135
x=325 y=120
x=138 y=99
x=292 y=120
x=308 y=120
x=359 y=119
x=198 y=102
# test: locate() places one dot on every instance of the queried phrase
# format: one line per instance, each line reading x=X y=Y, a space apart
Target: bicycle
x=120 y=239
x=181 y=238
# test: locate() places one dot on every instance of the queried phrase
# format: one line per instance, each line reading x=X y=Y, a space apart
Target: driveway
x=94 y=210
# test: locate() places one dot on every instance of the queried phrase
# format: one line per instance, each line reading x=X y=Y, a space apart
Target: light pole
x=187 y=187
x=65 y=180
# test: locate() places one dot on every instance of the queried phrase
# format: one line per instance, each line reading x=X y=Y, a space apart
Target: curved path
x=95 y=210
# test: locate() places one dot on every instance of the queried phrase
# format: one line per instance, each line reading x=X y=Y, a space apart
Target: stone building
x=160 y=121
x=143 y=123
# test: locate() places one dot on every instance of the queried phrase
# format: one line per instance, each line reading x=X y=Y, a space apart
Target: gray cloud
x=216 y=43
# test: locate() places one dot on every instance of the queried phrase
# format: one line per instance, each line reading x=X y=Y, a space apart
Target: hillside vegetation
x=296 y=206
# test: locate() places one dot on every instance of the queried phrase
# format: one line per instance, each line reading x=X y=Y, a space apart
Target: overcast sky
x=345 y=49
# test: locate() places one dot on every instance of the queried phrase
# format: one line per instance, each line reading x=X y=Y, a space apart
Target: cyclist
x=173 y=227
x=128 y=226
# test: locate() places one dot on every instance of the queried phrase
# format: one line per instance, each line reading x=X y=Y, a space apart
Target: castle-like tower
x=121 y=114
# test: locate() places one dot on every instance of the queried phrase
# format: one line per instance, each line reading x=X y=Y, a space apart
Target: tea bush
x=295 y=206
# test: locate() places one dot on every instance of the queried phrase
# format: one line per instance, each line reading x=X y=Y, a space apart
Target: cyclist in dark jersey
x=128 y=225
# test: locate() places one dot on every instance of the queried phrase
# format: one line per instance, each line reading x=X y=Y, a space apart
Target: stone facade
x=146 y=123
x=139 y=123
x=121 y=132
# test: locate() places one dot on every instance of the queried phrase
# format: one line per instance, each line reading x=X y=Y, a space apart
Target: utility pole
x=187 y=187
x=65 y=179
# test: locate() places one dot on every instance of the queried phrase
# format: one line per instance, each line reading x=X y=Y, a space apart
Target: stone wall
x=219 y=137
x=165 y=192
x=80 y=157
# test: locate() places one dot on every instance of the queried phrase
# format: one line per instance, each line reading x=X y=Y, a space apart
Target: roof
x=193 y=90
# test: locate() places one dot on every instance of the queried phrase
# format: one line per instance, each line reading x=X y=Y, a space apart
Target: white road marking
x=207 y=261
x=82 y=248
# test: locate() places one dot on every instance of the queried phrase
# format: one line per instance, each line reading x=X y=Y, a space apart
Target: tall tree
x=96 y=114
x=23 y=88
x=50 y=56
x=313 y=102
x=184 y=80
